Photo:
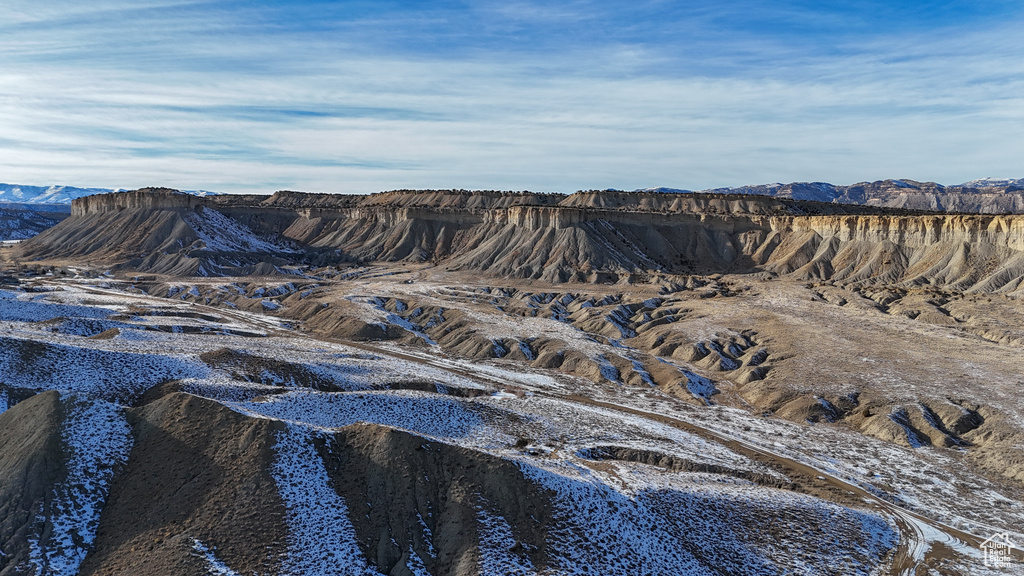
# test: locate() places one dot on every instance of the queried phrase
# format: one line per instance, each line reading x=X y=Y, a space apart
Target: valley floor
x=398 y=420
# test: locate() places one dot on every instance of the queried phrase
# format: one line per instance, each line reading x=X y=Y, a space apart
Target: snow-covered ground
x=613 y=516
x=321 y=539
x=222 y=234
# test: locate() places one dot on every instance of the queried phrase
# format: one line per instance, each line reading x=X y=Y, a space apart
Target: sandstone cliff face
x=145 y=199
x=464 y=199
x=670 y=202
x=970 y=253
x=604 y=233
x=915 y=231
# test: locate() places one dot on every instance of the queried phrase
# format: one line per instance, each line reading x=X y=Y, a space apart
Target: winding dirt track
x=917 y=533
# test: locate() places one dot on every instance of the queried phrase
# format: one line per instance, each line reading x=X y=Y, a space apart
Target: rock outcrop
x=142 y=199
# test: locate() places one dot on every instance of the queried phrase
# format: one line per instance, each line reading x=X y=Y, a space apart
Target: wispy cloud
x=359 y=97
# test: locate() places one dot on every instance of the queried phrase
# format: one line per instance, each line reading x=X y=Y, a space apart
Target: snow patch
x=638 y=367
x=900 y=417
x=659 y=525
x=608 y=371
x=415 y=564
x=498 y=349
x=97 y=439
x=16 y=307
x=525 y=349
x=496 y=545
x=321 y=538
x=96 y=373
x=620 y=318
x=222 y=234
x=214 y=565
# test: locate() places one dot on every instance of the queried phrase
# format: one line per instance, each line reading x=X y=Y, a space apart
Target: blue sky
x=368 y=96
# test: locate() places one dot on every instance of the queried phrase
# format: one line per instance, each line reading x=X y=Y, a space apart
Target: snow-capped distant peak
x=664 y=190
x=21 y=194
x=46 y=194
x=993 y=182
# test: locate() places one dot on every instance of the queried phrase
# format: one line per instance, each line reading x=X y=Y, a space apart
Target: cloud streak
x=351 y=97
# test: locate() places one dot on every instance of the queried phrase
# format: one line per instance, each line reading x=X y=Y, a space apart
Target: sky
x=365 y=96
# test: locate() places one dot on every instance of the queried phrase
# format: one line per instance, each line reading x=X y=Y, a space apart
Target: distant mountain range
x=61 y=195
x=986 y=195
x=826 y=191
x=993 y=182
